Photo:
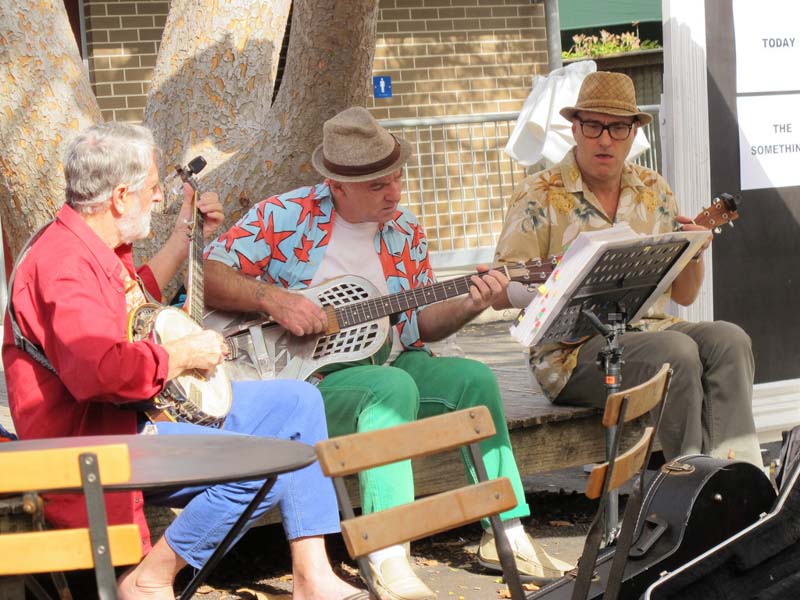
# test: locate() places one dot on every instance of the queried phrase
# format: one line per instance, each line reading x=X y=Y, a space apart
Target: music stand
x=605 y=276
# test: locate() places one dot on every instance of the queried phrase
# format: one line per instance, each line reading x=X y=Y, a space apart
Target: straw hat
x=356 y=148
x=607 y=93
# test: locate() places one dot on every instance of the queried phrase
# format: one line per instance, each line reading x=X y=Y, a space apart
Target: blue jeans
x=290 y=410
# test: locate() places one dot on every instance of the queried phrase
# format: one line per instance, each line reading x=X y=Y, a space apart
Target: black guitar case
x=693 y=503
x=760 y=562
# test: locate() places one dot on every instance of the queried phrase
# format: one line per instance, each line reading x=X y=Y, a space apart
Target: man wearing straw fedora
x=594 y=187
x=352 y=223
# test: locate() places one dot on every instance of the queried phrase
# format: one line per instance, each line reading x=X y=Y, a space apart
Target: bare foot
x=331 y=588
x=131 y=586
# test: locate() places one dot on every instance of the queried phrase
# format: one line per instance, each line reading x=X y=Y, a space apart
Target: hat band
x=355 y=170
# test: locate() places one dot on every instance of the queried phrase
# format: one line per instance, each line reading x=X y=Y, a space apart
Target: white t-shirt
x=351 y=251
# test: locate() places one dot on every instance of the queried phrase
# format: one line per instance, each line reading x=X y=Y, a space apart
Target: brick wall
x=450 y=57
x=122 y=41
x=445 y=56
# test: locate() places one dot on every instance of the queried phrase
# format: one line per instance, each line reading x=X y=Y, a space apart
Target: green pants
x=417 y=385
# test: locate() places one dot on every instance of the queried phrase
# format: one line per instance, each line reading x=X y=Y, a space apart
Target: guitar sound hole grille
x=353 y=339
x=342 y=294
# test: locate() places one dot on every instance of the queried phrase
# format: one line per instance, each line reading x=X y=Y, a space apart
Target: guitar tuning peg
x=718 y=230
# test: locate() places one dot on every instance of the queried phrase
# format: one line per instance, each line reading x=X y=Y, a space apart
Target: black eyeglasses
x=617 y=131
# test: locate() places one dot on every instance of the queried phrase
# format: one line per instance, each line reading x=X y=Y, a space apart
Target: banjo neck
x=195 y=301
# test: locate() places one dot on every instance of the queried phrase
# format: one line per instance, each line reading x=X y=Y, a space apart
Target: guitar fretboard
x=392 y=304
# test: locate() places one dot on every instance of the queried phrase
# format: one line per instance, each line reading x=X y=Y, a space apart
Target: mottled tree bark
x=215 y=99
x=214 y=77
x=45 y=99
x=328 y=65
x=211 y=95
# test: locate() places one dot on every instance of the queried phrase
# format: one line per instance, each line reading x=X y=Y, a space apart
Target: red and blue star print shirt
x=283 y=239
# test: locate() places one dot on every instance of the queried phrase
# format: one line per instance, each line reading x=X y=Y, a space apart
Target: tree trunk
x=204 y=100
x=211 y=95
x=329 y=59
x=45 y=99
x=214 y=77
x=212 y=88
x=327 y=70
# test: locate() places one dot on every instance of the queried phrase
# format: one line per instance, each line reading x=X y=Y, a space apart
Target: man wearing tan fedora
x=352 y=223
x=709 y=409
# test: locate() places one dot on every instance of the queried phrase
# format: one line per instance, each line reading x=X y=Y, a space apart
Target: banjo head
x=211 y=395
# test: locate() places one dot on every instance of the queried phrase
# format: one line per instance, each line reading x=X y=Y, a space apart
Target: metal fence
x=460 y=179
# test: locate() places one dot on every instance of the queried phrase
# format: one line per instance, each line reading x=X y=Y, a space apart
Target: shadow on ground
x=260 y=563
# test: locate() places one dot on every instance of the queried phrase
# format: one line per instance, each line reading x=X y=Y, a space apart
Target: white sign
x=769 y=140
x=767 y=45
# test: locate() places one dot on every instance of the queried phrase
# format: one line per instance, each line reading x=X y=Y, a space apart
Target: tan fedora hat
x=607 y=93
x=356 y=148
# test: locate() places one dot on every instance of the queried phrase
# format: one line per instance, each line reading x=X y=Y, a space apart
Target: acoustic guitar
x=358 y=320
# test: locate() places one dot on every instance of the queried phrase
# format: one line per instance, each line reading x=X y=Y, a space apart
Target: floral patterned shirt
x=283 y=239
x=547 y=212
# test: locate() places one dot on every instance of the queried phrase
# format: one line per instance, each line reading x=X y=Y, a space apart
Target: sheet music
x=582 y=257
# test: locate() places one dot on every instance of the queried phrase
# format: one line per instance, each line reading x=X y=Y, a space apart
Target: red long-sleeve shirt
x=69 y=298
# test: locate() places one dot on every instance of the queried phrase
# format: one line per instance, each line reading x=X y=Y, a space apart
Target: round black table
x=175 y=461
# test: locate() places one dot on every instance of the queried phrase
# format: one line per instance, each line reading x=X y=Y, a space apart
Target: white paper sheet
x=769 y=140
x=767 y=45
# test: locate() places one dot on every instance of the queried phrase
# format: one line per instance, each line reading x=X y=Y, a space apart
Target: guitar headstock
x=723 y=211
x=531 y=272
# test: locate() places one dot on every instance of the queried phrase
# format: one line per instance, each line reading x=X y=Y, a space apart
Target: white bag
x=541 y=132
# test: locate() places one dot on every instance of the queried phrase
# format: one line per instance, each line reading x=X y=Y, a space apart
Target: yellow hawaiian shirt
x=549 y=209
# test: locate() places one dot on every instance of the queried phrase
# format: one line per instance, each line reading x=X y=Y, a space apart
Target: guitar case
x=692 y=504
x=762 y=561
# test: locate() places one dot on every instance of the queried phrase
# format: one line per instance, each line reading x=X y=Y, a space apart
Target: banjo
x=192 y=396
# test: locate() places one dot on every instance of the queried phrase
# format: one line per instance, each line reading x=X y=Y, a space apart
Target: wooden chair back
x=639 y=400
x=621 y=407
x=350 y=454
x=97 y=546
x=626 y=465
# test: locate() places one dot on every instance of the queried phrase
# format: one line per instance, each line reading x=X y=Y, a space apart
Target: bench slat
x=412 y=440
x=56 y=469
x=427 y=516
x=65 y=549
x=625 y=466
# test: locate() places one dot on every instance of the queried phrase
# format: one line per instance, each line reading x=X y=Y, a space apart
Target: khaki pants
x=709 y=408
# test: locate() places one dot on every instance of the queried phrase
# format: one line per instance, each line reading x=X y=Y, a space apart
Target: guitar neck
x=392 y=304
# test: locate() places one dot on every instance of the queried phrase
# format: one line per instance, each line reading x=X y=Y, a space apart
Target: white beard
x=134 y=226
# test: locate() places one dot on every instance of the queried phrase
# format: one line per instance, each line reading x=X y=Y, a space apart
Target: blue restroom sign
x=382 y=85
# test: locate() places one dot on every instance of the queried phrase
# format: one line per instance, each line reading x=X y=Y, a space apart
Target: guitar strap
x=262 y=356
x=20 y=341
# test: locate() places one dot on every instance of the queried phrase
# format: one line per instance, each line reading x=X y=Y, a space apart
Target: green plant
x=606 y=43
